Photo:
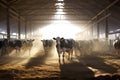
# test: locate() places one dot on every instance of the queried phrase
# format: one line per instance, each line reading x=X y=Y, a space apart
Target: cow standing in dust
x=29 y=44
x=4 y=43
x=65 y=45
x=16 y=44
x=47 y=44
x=116 y=45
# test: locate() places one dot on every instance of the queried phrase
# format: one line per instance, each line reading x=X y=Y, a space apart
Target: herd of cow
x=70 y=46
x=7 y=46
x=63 y=46
x=116 y=45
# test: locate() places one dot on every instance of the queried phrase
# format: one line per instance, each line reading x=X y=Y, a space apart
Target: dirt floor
x=44 y=67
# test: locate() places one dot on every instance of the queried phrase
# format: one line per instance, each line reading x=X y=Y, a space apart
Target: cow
x=16 y=44
x=19 y=44
x=11 y=44
x=65 y=45
x=4 y=43
x=47 y=44
x=116 y=45
x=84 y=47
x=29 y=44
x=1 y=45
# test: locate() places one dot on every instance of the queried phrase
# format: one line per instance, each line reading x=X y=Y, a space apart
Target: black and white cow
x=16 y=44
x=116 y=45
x=47 y=44
x=84 y=47
x=4 y=43
x=29 y=44
x=11 y=44
x=1 y=46
x=65 y=45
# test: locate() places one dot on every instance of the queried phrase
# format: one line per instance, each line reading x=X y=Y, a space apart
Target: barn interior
x=81 y=20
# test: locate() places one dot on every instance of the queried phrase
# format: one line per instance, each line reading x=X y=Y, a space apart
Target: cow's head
x=58 y=44
x=58 y=40
x=44 y=42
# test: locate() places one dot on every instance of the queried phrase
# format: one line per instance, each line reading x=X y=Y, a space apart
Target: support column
x=98 y=31
x=8 y=21
x=25 y=29
x=92 y=26
x=30 y=29
x=106 y=26
x=19 y=25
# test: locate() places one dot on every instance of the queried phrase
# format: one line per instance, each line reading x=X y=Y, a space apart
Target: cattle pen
x=59 y=40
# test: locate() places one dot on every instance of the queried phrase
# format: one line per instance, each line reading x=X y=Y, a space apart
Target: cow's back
x=1 y=44
x=67 y=43
x=116 y=44
x=18 y=43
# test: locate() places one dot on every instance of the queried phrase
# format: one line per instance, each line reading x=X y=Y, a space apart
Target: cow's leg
x=16 y=51
x=59 y=55
x=71 y=54
x=3 y=51
x=29 y=50
x=59 y=61
x=63 y=61
x=46 y=50
x=0 y=52
x=118 y=52
x=19 y=51
x=63 y=55
x=7 y=51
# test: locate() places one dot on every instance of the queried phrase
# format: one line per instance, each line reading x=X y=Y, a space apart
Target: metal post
x=8 y=22
x=106 y=27
x=30 y=29
x=92 y=26
x=25 y=29
x=19 y=25
x=101 y=12
x=98 y=32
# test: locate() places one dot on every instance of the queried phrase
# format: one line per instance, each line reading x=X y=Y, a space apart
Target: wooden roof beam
x=109 y=6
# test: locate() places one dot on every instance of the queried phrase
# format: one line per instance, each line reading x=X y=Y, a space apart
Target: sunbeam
x=60 y=28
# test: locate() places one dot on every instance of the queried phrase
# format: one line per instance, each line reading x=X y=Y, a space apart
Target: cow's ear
x=54 y=38
x=62 y=38
x=33 y=40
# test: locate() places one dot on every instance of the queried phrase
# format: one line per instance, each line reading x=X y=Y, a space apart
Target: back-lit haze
x=59 y=40
x=61 y=28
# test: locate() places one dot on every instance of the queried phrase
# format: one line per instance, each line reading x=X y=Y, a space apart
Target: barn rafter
x=82 y=12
